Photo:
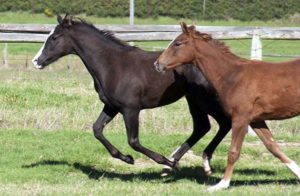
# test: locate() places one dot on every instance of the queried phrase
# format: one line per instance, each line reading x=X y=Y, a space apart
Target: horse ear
x=66 y=16
x=59 y=19
x=184 y=27
x=67 y=21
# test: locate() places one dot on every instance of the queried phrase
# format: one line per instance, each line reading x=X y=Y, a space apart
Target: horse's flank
x=276 y=85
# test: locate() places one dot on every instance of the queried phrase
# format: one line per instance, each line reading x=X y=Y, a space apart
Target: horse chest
x=99 y=89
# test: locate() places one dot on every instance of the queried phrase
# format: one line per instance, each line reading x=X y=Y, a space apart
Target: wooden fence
x=37 y=33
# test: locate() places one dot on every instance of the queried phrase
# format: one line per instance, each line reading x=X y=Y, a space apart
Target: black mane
x=105 y=33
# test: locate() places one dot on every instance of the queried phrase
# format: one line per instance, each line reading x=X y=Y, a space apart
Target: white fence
x=36 y=33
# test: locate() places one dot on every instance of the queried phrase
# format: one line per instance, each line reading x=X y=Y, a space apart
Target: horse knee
x=233 y=156
x=97 y=131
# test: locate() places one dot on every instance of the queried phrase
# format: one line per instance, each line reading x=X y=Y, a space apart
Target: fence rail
x=38 y=32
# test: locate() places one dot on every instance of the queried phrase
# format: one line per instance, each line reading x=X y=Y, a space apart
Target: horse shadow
x=191 y=173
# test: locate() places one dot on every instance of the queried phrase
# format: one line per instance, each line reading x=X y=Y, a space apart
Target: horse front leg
x=264 y=133
x=132 y=127
x=105 y=117
x=239 y=130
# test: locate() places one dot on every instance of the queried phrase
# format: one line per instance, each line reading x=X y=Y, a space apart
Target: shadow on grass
x=194 y=174
x=247 y=172
x=191 y=173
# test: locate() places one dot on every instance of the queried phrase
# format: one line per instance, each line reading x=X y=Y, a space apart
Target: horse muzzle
x=36 y=63
x=159 y=67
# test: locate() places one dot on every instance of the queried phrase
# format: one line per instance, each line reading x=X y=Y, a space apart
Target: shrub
x=244 y=10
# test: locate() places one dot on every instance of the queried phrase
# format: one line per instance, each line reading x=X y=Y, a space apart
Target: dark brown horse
x=123 y=76
x=250 y=91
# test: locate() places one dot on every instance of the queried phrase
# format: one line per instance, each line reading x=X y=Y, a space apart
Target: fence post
x=256 y=54
x=5 y=55
x=131 y=17
x=203 y=8
x=256 y=46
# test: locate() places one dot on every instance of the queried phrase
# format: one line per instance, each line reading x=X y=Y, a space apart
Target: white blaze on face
x=35 y=58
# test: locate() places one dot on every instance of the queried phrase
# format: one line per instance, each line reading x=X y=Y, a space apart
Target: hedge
x=244 y=10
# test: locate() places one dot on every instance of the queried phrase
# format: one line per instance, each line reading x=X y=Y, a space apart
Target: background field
x=47 y=146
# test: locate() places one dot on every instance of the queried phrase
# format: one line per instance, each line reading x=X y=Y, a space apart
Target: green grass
x=73 y=162
x=58 y=98
x=66 y=99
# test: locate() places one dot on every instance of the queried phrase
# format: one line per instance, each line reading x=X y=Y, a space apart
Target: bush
x=244 y=10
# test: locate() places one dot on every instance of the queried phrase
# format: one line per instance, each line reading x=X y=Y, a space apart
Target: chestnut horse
x=123 y=77
x=249 y=91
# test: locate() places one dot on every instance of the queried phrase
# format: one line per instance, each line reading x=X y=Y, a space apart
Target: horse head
x=57 y=44
x=181 y=50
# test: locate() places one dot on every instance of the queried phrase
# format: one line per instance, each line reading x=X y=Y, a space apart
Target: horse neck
x=98 y=53
x=219 y=67
x=93 y=48
x=100 y=56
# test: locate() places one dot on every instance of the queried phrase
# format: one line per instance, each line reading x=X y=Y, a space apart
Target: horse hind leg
x=201 y=126
x=105 y=117
x=263 y=132
x=225 y=126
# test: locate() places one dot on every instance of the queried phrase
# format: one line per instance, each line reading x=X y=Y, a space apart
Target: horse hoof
x=206 y=164
x=223 y=184
x=166 y=172
x=208 y=173
x=129 y=159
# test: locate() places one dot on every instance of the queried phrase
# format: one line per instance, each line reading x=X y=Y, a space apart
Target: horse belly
x=279 y=112
x=158 y=99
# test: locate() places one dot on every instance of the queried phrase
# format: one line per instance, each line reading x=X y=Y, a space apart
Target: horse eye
x=54 y=37
x=178 y=43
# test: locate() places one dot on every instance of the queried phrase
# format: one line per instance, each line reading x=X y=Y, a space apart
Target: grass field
x=47 y=146
x=36 y=162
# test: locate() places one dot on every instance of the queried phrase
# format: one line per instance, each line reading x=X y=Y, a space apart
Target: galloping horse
x=249 y=91
x=123 y=77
